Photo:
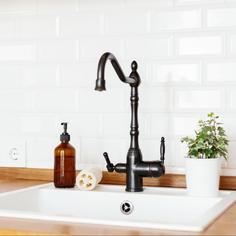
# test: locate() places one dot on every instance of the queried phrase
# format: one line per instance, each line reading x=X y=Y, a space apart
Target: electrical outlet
x=13 y=152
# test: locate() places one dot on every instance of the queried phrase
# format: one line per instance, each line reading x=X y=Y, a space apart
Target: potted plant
x=203 y=162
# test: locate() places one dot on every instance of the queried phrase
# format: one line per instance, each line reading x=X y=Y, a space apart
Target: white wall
x=49 y=49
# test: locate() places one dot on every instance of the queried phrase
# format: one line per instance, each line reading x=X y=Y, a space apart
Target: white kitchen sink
x=161 y=208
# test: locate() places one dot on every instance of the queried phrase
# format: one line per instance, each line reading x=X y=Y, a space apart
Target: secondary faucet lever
x=162 y=150
x=110 y=166
x=119 y=167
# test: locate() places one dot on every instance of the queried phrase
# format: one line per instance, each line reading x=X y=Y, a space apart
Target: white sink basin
x=161 y=208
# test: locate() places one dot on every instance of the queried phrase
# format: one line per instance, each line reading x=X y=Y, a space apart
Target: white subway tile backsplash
x=18 y=7
x=231 y=163
x=180 y=2
x=7 y=27
x=148 y=47
x=173 y=73
x=231 y=99
x=230 y=1
x=35 y=125
x=229 y=122
x=49 y=51
x=151 y=3
x=202 y=2
x=175 y=20
x=81 y=25
x=33 y=27
x=40 y=152
x=31 y=124
x=14 y=101
x=233 y=44
x=99 y=6
x=221 y=72
x=37 y=76
x=9 y=73
x=17 y=51
x=196 y=99
x=11 y=123
x=179 y=152
x=62 y=7
x=116 y=22
x=116 y=125
x=155 y=99
x=223 y=17
x=78 y=75
x=159 y=125
x=200 y=45
x=56 y=51
x=107 y=101
x=55 y=100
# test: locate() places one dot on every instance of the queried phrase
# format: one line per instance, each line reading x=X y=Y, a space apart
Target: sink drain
x=126 y=207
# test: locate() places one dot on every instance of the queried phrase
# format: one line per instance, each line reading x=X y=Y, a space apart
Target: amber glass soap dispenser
x=64 y=162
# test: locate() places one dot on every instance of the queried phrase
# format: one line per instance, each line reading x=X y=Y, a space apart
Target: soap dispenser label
x=62 y=163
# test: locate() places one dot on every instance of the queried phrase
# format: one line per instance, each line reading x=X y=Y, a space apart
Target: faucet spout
x=100 y=82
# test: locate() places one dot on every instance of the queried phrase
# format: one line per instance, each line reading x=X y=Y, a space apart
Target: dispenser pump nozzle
x=64 y=137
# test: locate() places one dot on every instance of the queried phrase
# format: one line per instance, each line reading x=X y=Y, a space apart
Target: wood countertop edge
x=224 y=225
x=167 y=180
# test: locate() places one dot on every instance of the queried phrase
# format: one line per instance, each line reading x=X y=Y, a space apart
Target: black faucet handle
x=110 y=166
x=162 y=150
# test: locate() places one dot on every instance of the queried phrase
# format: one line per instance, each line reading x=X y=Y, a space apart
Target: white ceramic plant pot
x=203 y=176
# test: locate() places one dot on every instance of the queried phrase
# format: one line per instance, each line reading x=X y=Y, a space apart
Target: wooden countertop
x=224 y=225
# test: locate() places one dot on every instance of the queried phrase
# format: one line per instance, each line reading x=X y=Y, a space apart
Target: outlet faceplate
x=13 y=152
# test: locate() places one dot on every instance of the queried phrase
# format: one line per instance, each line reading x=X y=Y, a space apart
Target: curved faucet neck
x=132 y=80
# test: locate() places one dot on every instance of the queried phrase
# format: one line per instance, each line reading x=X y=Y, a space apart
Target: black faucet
x=135 y=168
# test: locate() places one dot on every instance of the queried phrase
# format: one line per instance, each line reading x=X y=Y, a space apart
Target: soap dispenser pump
x=64 y=162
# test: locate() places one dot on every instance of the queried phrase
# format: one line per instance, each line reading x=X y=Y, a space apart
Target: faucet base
x=134 y=189
x=134 y=181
